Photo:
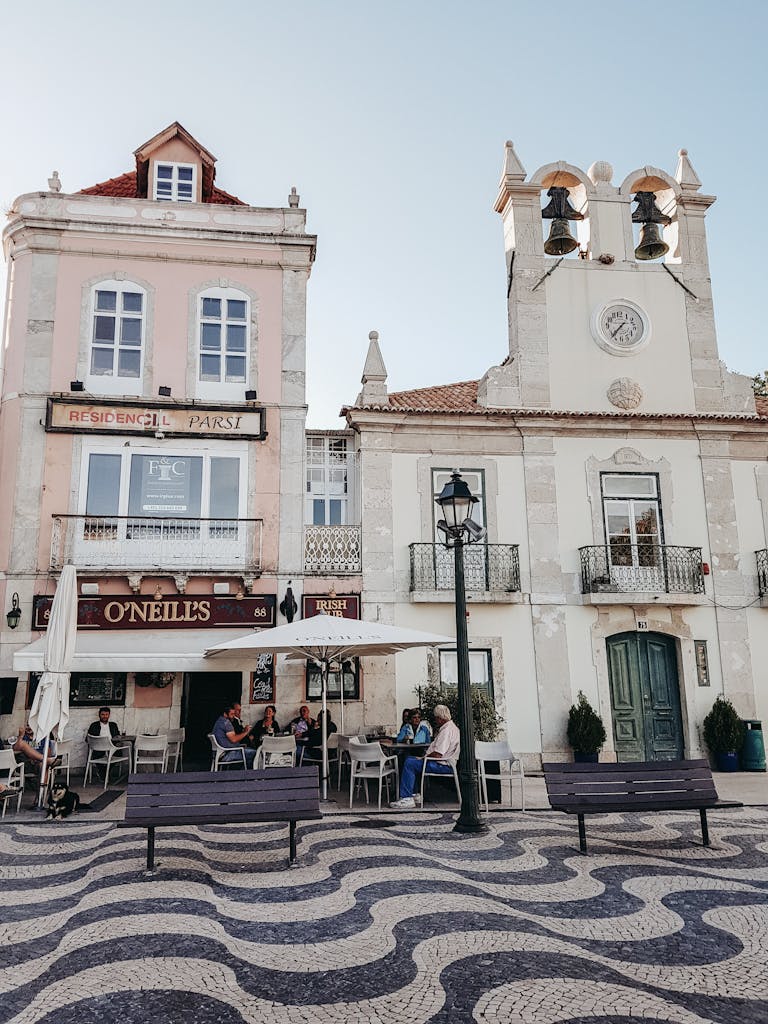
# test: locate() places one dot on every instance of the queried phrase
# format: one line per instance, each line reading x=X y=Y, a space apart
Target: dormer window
x=175 y=183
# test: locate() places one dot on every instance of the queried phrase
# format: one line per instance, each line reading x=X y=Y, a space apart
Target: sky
x=390 y=119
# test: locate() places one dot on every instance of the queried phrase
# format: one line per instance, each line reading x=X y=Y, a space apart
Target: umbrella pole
x=324 y=685
x=43 y=768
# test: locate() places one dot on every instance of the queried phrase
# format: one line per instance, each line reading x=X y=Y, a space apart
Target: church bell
x=651 y=244
x=560 y=241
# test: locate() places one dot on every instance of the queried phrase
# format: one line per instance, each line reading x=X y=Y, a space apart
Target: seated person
x=301 y=725
x=237 y=717
x=226 y=735
x=266 y=727
x=315 y=736
x=33 y=752
x=103 y=727
x=417 y=730
x=444 y=745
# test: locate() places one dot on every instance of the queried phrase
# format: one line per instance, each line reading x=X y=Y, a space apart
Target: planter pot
x=581 y=758
x=727 y=762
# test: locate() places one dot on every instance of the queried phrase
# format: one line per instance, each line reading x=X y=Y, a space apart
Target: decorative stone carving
x=627 y=456
x=54 y=182
x=625 y=393
x=600 y=171
x=181 y=583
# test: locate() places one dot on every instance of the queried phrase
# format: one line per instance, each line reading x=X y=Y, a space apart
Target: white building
x=623 y=478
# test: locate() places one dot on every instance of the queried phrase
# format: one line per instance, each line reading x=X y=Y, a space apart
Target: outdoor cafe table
x=404 y=750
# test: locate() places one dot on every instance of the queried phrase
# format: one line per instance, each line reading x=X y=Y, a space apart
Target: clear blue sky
x=390 y=119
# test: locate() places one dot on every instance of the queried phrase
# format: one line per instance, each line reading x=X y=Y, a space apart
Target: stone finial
x=374 y=379
x=685 y=175
x=512 y=166
x=600 y=172
x=294 y=197
x=54 y=184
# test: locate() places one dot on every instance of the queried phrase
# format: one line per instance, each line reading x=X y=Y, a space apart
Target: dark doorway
x=205 y=694
x=645 y=697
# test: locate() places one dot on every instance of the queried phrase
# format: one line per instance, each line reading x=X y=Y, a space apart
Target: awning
x=140 y=650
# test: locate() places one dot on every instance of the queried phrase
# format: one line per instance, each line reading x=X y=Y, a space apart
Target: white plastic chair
x=176 y=739
x=314 y=755
x=63 y=751
x=368 y=761
x=276 y=752
x=343 y=745
x=427 y=773
x=102 y=752
x=500 y=752
x=150 y=750
x=12 y=776
x=218 y=752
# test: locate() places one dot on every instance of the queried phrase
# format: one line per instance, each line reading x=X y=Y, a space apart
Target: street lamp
x=456 y=501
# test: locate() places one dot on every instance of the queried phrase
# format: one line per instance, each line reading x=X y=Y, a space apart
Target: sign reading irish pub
x=346 y=606
x=179 y=611
x=80 y=416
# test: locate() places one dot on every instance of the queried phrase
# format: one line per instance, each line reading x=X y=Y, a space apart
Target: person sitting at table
x=103 y=727
x=226 y=735
x=301 y=725
x=417 y=730
x=33 y=752
x=266 y=727
x=444 y=745
x=315 y=736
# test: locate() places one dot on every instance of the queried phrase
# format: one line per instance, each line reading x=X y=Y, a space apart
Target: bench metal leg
x=704 y=827
x=582 y=834
x=292 y=840
x=151 y=848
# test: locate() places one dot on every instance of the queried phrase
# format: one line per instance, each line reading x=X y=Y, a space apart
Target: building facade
x=622 y=473
x=152 y=432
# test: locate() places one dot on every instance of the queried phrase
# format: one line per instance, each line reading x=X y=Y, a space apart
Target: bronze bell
x=651 y=244
x=560 y=241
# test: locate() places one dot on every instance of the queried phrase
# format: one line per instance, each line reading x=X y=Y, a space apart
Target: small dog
x=62 y=801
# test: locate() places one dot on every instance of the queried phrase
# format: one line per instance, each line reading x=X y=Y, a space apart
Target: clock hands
x=624 y=323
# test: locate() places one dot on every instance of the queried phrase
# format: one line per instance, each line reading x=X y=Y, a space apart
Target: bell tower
x=612 y=310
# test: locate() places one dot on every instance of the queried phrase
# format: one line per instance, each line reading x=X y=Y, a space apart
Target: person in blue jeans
x=415 y=730
x=226 y=735
x=445 y=745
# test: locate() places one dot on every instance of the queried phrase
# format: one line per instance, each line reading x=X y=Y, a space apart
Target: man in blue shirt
x=226 y=735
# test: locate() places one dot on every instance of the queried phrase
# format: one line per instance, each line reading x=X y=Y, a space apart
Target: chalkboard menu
x=263 y=680
x=89 y=689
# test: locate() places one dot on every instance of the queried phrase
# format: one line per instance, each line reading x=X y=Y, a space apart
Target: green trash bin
x=753 y=752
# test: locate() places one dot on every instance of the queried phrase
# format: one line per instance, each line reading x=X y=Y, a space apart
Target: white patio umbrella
x=326 y=638
x=50 y=708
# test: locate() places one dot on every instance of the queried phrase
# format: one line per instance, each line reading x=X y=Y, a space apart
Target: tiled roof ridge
x=481 y=410
x=124 y=187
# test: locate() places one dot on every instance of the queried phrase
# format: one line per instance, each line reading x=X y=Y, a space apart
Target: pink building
x=152 y=433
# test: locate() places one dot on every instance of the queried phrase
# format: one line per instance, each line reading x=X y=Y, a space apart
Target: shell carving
x=625 y=393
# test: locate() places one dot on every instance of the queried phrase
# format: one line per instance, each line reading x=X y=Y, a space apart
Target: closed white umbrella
x=325 y=638
x=50 y=708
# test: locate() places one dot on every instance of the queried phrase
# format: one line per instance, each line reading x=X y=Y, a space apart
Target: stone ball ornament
x=601 y=171
x=625 y=393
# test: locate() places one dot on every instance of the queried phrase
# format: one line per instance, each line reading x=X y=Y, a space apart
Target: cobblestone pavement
x=388 y=920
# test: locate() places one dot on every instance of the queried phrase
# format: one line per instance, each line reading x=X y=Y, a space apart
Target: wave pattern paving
x=403 y=923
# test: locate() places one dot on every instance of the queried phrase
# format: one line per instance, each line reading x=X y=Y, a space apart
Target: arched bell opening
x=565 y=214
x=654 y=222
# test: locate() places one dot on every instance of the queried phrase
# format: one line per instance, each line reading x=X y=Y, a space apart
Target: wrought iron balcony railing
x=152 y=542
x=486 y=567
x=762 y=572
x=332 y=549
x=650 y=568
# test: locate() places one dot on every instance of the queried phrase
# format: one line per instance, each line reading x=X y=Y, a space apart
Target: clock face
x=621 y=327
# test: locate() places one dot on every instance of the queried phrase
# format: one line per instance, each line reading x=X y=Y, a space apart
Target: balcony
x=142 y=543
x=332 y=550
x=762 y=575
x=491 y=573
x=609 y=573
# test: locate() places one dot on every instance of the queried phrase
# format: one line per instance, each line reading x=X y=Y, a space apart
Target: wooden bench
x=221 y=798
x=632 y=786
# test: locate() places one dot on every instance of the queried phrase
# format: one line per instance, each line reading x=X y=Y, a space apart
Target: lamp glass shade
x=456 y=501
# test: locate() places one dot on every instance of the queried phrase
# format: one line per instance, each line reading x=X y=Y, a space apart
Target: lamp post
x=456 y=501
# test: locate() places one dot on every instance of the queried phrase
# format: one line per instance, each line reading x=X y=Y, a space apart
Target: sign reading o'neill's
x=83 y=416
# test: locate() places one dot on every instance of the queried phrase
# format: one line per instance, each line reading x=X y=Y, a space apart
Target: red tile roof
x=124 y=187
x=462 y=398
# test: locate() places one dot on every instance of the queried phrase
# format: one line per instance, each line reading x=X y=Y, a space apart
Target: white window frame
x=114 y=384
x=174 y=197
x=222 y=389
x=231 y=450
x=327 y=464
x=486 y=686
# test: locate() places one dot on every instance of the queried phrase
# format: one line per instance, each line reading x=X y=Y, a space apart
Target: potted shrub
x=586 y=732
x=724 y=734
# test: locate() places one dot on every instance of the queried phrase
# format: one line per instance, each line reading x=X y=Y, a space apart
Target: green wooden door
x=645 y=697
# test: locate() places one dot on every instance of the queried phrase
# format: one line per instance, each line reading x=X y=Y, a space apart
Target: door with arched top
x=645 y=697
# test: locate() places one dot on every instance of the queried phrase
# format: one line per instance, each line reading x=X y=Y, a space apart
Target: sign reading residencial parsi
x=79 y=416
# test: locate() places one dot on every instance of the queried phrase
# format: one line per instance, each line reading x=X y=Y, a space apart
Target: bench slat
x=633 y=786
x=273 y=799
x=225 y=814
x=646 y=767
x=201 y=790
